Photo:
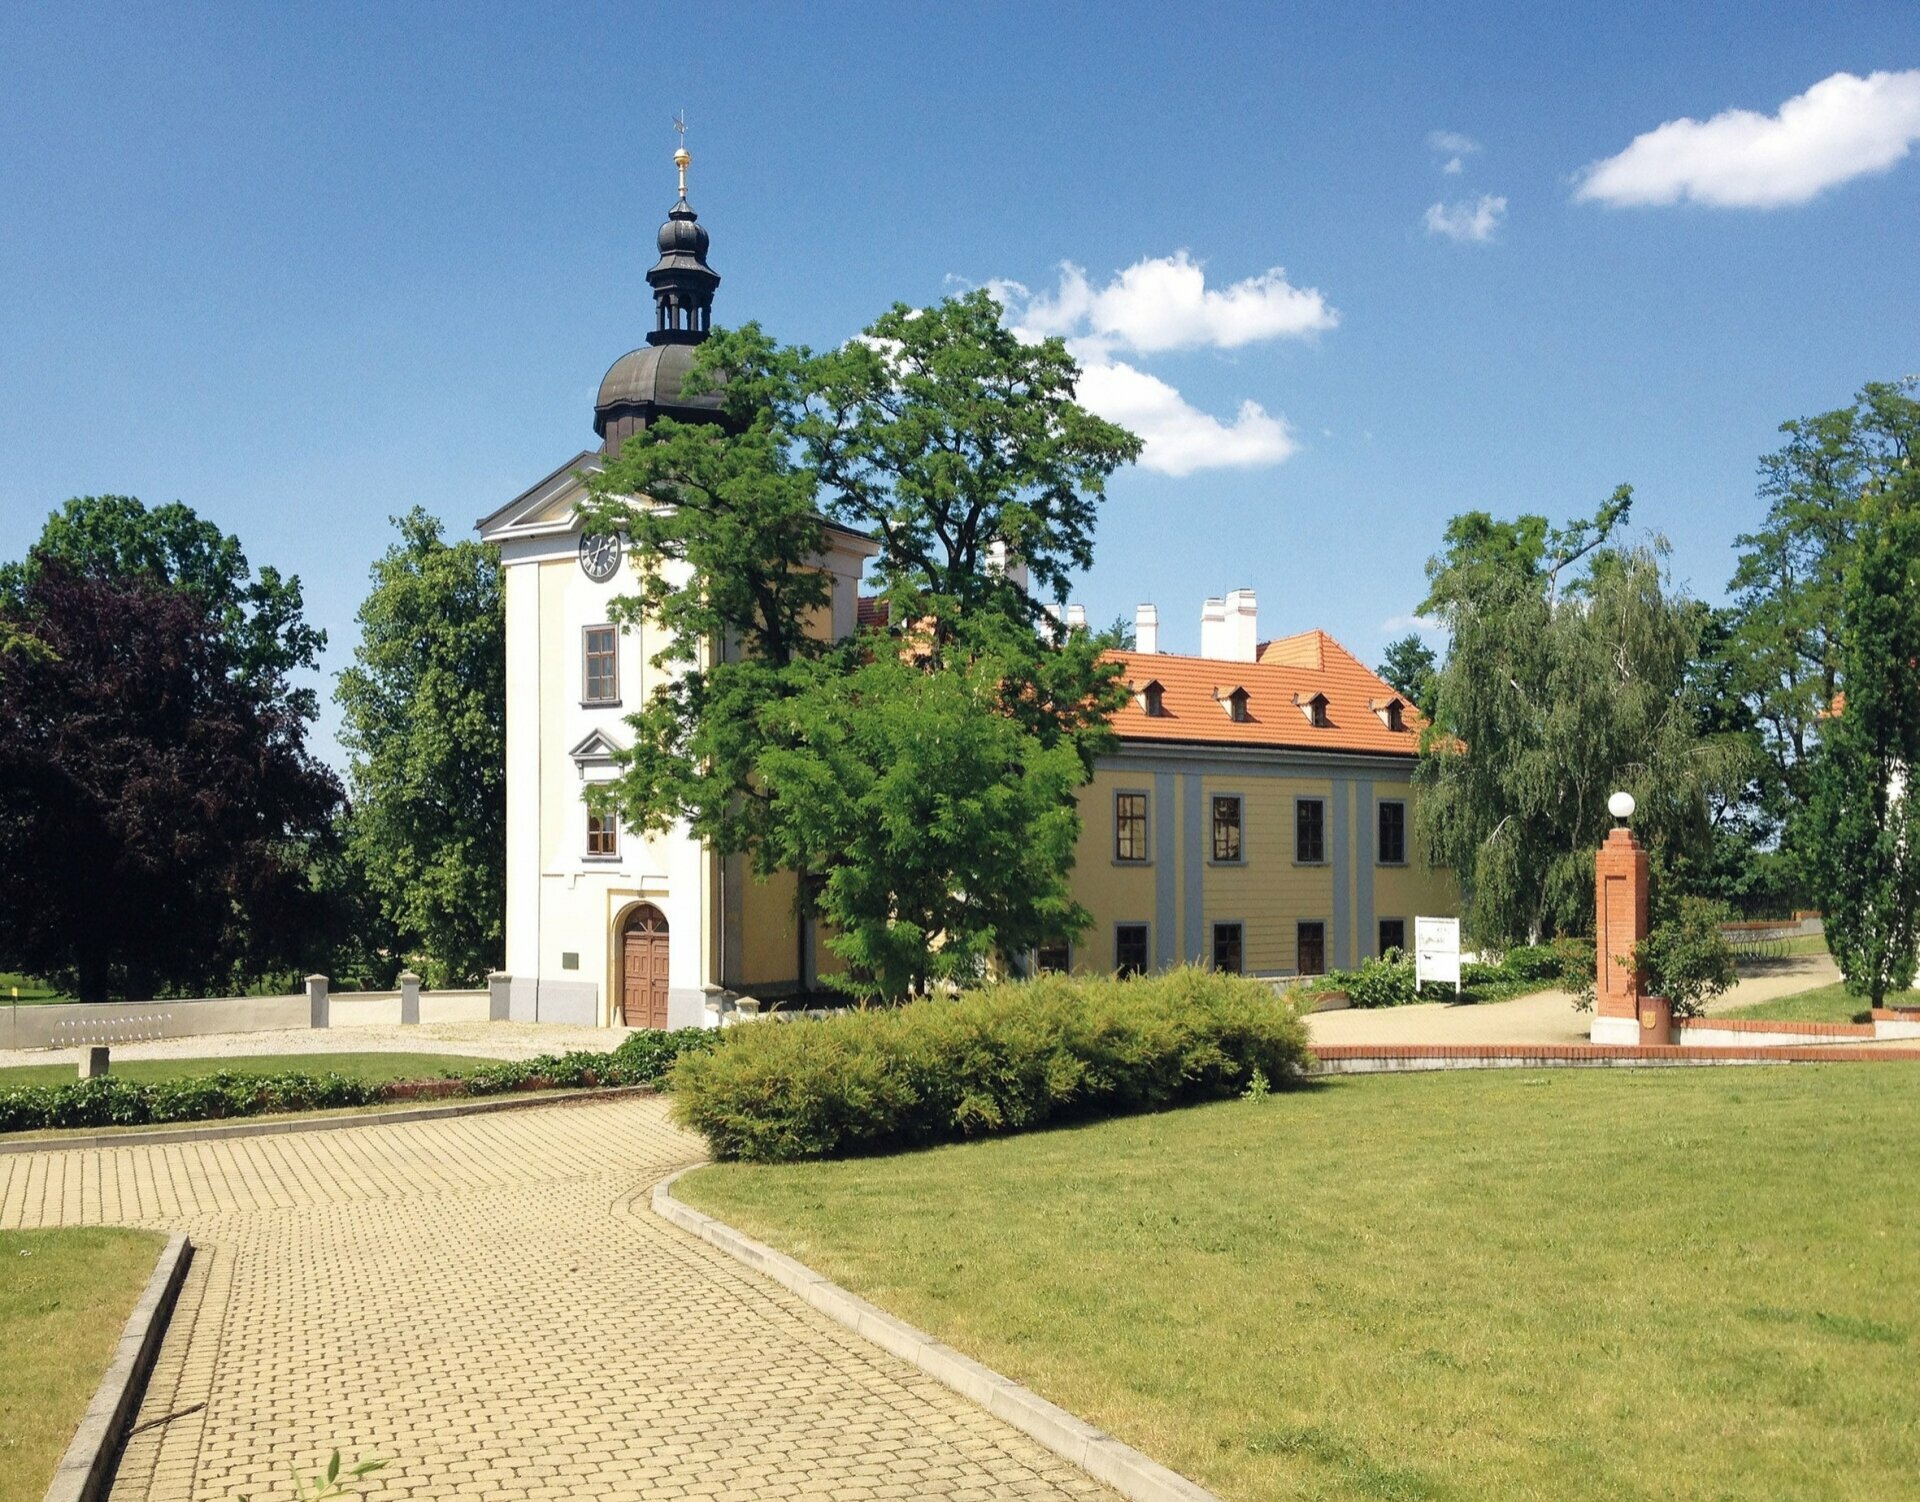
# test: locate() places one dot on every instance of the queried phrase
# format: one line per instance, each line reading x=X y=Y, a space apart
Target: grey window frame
x=1240 y=943
x=1214 y=857
x=1300 y=926
x=1298 y=858
x=1145 y=857
x=1146 y=947
x=611 y=830
x=587 y=656
x=1064 y=969
x=1379 y=808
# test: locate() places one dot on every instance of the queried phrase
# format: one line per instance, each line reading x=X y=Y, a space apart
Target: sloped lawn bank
x=643 y=1058
x=1556 y=1284
x=1004 y=1059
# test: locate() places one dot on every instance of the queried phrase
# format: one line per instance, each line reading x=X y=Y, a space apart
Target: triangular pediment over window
x=547 y=505
x=598 y=749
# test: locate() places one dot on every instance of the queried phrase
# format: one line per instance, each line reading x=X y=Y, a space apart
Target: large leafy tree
x=1859 y=834
x=1413 y=668
x=962 y=451
x=1789 y=586
x=424 y=721
x=159 y=811
x=258 y=615
x=1567 y=679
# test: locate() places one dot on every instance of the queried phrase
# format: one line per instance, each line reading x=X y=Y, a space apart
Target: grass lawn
x=25 y=989
x=359 y=1066
x=63 y=1299
x=1822 y=1004
x=1556 y=1284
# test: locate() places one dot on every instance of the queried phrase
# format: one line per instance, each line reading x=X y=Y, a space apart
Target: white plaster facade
x=566 y=908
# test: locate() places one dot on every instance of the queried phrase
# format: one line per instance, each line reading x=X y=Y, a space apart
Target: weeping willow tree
x=1568 y=678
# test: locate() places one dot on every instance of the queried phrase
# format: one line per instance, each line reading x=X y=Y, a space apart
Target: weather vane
x=681 y=156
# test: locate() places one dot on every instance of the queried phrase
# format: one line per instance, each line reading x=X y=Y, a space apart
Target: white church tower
x=605 y=925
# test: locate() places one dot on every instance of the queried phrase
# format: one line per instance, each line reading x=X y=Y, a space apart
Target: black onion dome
x=683 y=234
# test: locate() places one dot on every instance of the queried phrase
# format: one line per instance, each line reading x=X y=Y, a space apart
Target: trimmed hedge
x=642 y=1059
x=1005 y=1059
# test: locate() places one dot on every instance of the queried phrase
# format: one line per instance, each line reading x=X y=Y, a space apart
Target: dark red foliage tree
x=159 y=811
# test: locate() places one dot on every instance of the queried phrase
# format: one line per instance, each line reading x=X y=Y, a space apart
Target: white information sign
x=1436 y=951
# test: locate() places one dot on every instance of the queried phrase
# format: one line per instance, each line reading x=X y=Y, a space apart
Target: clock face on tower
x=599 y=556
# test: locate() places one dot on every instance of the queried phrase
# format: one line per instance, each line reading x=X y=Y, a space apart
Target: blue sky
x=304 y=267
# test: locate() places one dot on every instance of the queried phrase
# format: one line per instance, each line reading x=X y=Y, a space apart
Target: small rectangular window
x=1393 y=934
x=1226 y=828
x=1227 y=947
x=603 y=834
x=1310 y=947
x=1310 y=831
x=1130 y=948
x=1130 y=826
x=1393 y=834
x=602 y=673
x=1053 y=958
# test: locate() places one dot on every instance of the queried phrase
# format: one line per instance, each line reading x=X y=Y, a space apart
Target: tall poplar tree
x=1859 y=835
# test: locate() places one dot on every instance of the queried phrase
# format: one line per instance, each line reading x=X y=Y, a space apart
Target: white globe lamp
x=1621 y=806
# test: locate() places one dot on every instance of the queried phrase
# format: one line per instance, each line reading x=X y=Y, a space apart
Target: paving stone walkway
x=488 y=1303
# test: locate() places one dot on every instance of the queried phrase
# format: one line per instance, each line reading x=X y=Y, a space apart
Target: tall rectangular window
x=1392 y=849
x=1227 y=948
x=602 y=674
x=1129 y=826
x=1129 y=948
x=603 y=834
x=1310 y=948
x=1055 y=957
x=1393 y=934
x=1310 y=830
x=1226 y=828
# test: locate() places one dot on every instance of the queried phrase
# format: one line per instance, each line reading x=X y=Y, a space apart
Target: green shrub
x=1385 y=982
x=1004 y=1059
x=1532 y=962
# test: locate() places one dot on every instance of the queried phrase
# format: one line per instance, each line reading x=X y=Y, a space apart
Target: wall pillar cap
x=406 y=975
x=312 y=978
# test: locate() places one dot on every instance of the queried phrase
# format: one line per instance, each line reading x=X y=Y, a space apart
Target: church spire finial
x=682 y=156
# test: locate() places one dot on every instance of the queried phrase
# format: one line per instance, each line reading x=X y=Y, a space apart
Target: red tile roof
x=1289 y=672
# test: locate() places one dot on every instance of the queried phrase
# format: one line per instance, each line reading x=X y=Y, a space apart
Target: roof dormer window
x=1314 y=707
x=1151 y=698
x=1392 y=712
x=1234 y=701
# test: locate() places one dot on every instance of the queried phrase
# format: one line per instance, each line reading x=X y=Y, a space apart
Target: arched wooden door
x=643 y=968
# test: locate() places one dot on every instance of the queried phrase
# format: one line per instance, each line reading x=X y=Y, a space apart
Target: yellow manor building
x=1257 y=815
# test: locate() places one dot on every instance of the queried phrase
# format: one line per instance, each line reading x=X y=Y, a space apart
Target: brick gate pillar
x=1620 y=923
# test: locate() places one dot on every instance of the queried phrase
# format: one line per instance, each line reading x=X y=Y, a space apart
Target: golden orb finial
x=682 y=156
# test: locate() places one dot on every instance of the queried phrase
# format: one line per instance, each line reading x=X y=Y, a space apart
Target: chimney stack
x=1076 y=617
x=1243 y=626
x=1213 y=628
x=1146 y=629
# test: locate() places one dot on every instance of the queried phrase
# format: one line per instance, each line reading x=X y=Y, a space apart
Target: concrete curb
x=404 y=1116
x=1094 y=1451
x=86 y=1470
x=1404 y=1058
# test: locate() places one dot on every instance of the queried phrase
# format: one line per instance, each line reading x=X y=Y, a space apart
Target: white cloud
x=1454 y=166
x=1400 y=625
x=1164 y=303
x=1451 y=143
x=1468 y=221
x=1180 y=438
x=1841 y=128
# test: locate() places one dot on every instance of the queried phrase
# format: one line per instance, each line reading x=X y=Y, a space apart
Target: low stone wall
x=77 y=1024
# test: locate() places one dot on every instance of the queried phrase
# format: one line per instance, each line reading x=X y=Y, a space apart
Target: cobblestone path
x=487 y=1303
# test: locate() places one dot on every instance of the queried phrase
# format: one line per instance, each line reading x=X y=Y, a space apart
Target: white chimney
x=1076 y=617
x=1146 y=629
x=1243 y=626
x=1213 y=628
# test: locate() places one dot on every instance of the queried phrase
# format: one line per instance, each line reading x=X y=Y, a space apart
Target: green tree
x=1859 y=834
x=259 y=615
x=424 y=720
x=1567 y=679
x=1412 y=667
x=1790 y=583
x=962 y=451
